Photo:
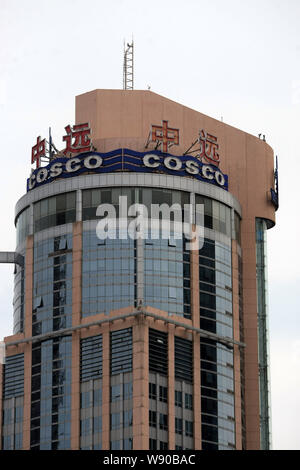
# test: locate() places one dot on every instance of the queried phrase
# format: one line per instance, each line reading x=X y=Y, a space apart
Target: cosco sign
x=191 y=167
x=72 y=165
x=127 y=160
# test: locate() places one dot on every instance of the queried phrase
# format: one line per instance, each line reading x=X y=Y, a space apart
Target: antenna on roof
x=128 y=66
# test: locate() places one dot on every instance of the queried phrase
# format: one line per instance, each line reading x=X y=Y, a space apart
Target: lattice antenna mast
x=128 y=67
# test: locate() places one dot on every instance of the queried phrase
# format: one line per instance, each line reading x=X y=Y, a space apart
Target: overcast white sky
x=238 y=60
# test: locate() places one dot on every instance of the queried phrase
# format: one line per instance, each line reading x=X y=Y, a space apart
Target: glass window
x=178 y=425
x=217 y=216
x=152 y=391
x=115 y=420
x=127 y=390
x=85 y=400
x=163 y=445
x=97 y=424
x=55 y=210
x=163 y=394
x=22 y=226
x=152 y=418
x=152 y=444
x=85 y=427
x=189 y=429
x=121 y=351
x=163 y=421
x=115 y=393
x=115 y=445
x=188 y=401
x=178 y=398
x=127 y=418
x=127 y=444
x=97 y=397
x=18 y=441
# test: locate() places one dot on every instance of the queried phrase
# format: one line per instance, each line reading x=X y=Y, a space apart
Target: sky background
x=235 y=60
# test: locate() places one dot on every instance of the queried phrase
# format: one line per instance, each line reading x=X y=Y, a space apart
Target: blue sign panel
x=127 y=160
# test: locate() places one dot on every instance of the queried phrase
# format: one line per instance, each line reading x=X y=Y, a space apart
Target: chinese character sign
x=77 y=139
x=164 y=135
x=38 y=151
x=208 y=148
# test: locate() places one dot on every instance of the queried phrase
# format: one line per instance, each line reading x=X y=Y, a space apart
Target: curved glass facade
x=22 y=226
x=54 y=210
x=18 y=300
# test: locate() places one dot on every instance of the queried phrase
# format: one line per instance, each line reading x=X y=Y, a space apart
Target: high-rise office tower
x=141 y=342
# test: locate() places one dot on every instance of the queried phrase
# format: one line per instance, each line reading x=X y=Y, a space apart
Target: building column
x=251 y=335
x=236 y=352
x=75 y=385
x=76 y=319
x=106 y=388
x=171 y=386
x=28 y=332
x=195 y=306
x=140 y=384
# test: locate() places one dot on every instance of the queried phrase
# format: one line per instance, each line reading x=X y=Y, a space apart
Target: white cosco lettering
x=56 y=170
x=151 y=161
x=173 y=163
x=92 y=162
x=92 y=165
x=191 y=167
x=73 y=165
x=219 y=178
x=41 y=175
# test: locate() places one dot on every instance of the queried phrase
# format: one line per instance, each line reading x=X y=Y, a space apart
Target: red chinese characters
x=165 y=135
x=208 y=148
x=38 y=151
x=77 y=139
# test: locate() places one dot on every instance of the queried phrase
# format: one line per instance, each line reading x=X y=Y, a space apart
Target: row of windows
x=163 y=392
x=161 y=420
x=121 y=420
x=217 y=395
x=12 y=423
x=158 y=355
x=52 y=287
x=13 y=376
x=157 y=445
x=61 y=209
x=51 y=394
x=120 y=354
x=121 y=392
x=183 y=359
x=91 y=426
x=55 y=210
x=12 y=442
x=109 y=274
x=121 y=351
x=125 y=444
x=158 y=392
x=91 y=358
x=12 y=415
